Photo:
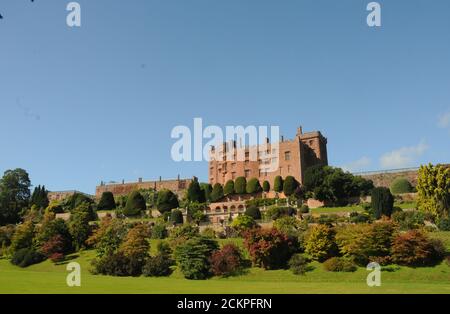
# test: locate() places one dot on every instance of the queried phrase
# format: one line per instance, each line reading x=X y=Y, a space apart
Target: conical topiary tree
x=106 y=202
x=135 y=204
x=278 y=184
x=217 y=192
x=253 y=186
x=194 y=192
x=240 y=185
x=266 y=186
x=167 y=200
x=289 y=185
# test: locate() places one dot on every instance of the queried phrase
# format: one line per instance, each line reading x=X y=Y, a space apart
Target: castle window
x=233 y=175
x=287 y=155
x=247 y=173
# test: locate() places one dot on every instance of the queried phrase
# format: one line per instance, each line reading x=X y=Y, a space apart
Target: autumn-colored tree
x=320 y=243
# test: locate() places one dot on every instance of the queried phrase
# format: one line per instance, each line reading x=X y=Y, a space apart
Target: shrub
x=157 y=266
x=53 y=228
x=266 y=186
x=159 y=231
x=269 y=249
x=117 y=264
x=176 y=217
x=278 y=184
x=400 y=186
x=288 y=225
x=106 y=202
x=25 y=257
x=167 y=200
x=304 y=209
x=135 y=204
x=276 y=212
x=253 y=212
x=243 y=222
x=193 y=257
x=227 y=261
x=363 y=242
x=320 y=243
x=229 y=188
x=208 y=233
x=54 y=248
x=23 y=236
x=299 y=264
x=382 y=202
x=358 y=218
x=108 y=237
x=207 y=189
x=253 y=186
x=408 y=220
x=414 y=248
x=289 y=185
x=444 y=224
x=240 y=185
x=217 y=192
x=339 y=264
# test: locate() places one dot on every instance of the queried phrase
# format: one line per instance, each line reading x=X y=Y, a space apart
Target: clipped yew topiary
x=167 y=200
x=176 y=217
x=240 y=185
x=401 y=186
x=229 y=188
x=253 y=212
x=278 y=184
x=106 y=202
x=382 y=202
x=266 y=186
x=289 y=185
x=135 y=204
x=253 y=186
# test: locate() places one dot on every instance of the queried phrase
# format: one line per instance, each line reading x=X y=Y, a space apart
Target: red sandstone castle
x=292 y=158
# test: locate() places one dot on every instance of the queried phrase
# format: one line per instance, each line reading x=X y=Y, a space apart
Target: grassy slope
x=49 y=278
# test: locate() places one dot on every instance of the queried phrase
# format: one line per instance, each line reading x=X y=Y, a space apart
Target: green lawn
x=49 y=278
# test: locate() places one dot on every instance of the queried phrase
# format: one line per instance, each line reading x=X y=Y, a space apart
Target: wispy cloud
x=444 y=120
x=403 y=157
x=358 y=165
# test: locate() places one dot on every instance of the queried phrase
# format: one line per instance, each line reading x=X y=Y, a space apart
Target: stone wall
x=386 y=178
x=177 y=186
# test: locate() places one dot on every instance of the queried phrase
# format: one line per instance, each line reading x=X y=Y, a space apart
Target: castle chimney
x=160 y=179
x=178 y=178
x=123 y=181
x=282 y=138
x=267 y=140
x=299 y=131
x=140 y=180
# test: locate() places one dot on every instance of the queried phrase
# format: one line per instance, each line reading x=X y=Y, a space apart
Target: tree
x=288 y=225
x=39 y=198
x=240 y=185
x=382 y=202
x=269 y=249
x=106 y=202
x=23 y=237
x=79 y=226
x=217 y=192
x=400 y=186
x=278 y=184
x=193 y=257
x=243 y=223
x=253 y=186
x=320 y=243
x=167 y=200
x=108 y=237
x=266 y=186
x=176 y=217
x=135 y=204
x=229 y=188
x=51 y=228
x=289 y=185
x=76 y=200
x=14 y=195
x=136 y=244
x=433 y=188
x=195 y=193
x=207 y=189
x=227 y=261
x=254 y=212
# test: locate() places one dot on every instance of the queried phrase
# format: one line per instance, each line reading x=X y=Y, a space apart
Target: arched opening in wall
x=218 y=209
x=241 y=208
x=233 y=208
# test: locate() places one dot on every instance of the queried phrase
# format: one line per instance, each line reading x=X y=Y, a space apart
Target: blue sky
x=80 y=105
